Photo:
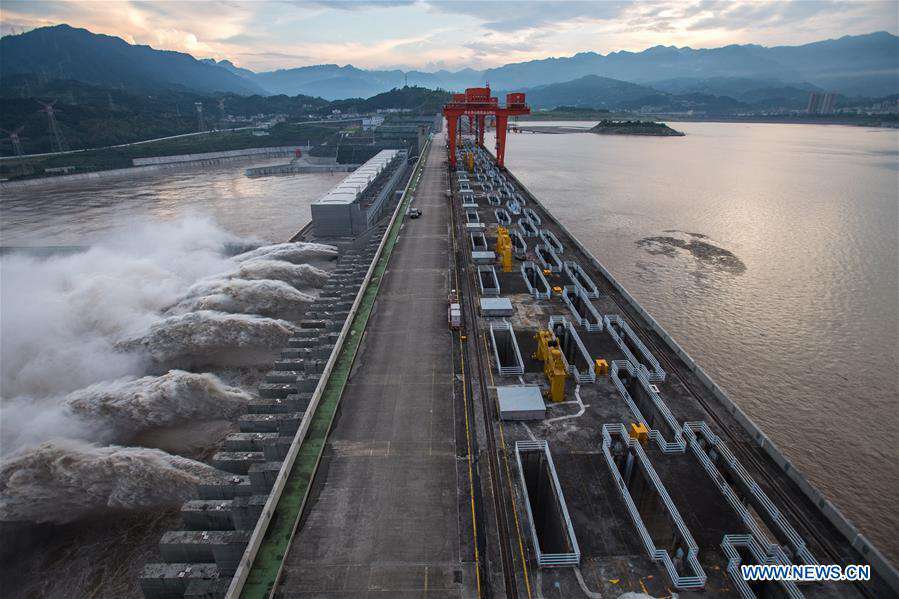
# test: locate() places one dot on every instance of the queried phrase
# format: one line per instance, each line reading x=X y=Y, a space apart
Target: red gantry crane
x=478 y=104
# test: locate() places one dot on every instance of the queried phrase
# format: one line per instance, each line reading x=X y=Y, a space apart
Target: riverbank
x=606 y=127
x=155 y=165
x=887 y=121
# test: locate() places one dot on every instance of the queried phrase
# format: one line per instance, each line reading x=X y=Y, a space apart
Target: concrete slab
x=382 y=518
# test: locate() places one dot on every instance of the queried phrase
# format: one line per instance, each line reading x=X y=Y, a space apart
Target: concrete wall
x=197 y=161
x=277 y=150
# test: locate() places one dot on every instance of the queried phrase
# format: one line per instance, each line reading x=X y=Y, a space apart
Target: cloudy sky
x=434 y=34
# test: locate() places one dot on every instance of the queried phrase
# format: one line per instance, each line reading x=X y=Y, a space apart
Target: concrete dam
x=474 y=407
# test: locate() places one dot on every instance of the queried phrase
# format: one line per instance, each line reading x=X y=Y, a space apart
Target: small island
x=622 y=127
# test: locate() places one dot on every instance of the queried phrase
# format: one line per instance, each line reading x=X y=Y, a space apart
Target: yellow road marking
x=502 y=441
x=474 y=521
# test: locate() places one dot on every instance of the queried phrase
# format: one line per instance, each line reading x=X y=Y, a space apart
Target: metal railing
x=711 y=452
x=545 y=291
x=695 y=580
x=581 y=279
x=548 y=560
x=591 y=321
x=516 y=364
x=588 y=375
x=677 y=444
x=654 y=372
x=729 y=545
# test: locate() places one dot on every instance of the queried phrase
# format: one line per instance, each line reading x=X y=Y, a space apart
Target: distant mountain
x=63 y=52
x=866 y=65
x=760 y=93
x=230 y=66
x=591 y=91
x=612 y=94
x=861 y=65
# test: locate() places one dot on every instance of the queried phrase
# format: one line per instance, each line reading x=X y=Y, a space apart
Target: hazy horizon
x=431 y=35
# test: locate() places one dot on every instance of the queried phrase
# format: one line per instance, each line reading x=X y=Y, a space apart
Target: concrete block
x=247 y=510
x=307 y=384
x=280 y=376
x=229 y=488
x=275 y=450
x=285 y=423
x=237 y=462
x=223 y=548
x=207 y=589
x=168 y=581
x=291 y=366
x=263 y=475
x=276 y=390
x=291 y=403
x=247 y=441
x=207 y=514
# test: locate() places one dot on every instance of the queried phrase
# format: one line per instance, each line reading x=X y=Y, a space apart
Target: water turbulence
x=296 y=253
x=263 y=297
x=298 y=275
x=214 y=338
x=130 y=405
x=702 y=251
x=64 y=480
x=156 y=329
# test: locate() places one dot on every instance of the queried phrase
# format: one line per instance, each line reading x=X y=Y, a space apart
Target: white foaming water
x=62 y=317
x=133 y=404
x=112 y=411
x=263 y=297
x=80 y=331
x=298 y=275
x=297 y=253
x=215 y=338
x=64 y=480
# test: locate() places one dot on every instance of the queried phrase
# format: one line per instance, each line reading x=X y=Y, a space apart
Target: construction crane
x=59 y=142
x=478 y=104
x=504 y=248
x=15 y=140
x=554 y=366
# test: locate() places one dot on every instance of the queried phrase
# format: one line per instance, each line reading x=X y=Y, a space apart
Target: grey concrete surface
x=383 y=517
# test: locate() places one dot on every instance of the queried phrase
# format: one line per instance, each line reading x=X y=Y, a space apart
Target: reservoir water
x=269 y=208
x=769 y=252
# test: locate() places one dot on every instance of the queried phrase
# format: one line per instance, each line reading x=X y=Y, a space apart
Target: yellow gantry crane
x=504 y=248
x=469 y=161
x=554 y=366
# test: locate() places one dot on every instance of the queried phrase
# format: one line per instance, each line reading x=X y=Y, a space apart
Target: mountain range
x=861 y=65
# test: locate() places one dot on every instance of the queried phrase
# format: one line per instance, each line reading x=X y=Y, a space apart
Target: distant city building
x=820 y=103
x=369 y=123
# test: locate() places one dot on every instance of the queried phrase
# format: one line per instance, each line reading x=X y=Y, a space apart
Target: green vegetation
x=631 y=127
x=91 y=116
x=283 y=134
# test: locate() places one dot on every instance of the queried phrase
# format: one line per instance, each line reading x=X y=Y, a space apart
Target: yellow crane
x=504 y=248
x=554 y=366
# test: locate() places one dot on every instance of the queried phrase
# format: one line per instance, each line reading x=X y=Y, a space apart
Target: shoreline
x=716 y=119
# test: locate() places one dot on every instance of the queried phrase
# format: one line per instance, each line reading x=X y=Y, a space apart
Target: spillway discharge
x=93 y=350
x=64 y=480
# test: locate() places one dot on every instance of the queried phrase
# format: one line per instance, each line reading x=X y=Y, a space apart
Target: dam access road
x=642 y=478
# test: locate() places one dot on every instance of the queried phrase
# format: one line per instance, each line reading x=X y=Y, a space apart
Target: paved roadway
x=383 y=517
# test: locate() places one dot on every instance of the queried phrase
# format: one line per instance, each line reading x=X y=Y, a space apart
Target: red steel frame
x=478 y=104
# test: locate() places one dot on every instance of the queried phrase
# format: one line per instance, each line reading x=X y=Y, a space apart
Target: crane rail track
x=467 y=298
